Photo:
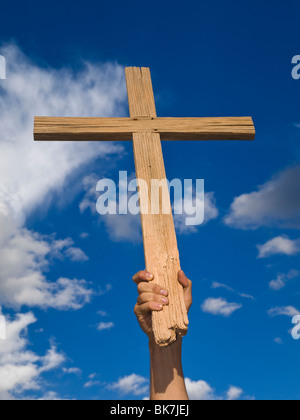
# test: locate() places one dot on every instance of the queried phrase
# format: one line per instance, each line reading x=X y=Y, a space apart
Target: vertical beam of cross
x=160 y=243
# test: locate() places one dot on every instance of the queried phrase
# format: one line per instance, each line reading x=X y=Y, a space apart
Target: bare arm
x=167 y=380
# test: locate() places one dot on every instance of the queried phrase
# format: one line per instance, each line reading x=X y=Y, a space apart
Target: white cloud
x=279 y=245
x=202 y=391
x=216 y=285
x=76 y=254
x=63 y=249
x=210 y=212
x=89 y=184
x=199 y=390
x=31 y=172
x=132 y=384
x=105 y=326
x=246 y=296
x=69 y=294
x=102 y=313
x=275 y=203
x=123 y=228
x=284 y=310
x=50 y=396
x=90 y=384
x=278 y=340
x=282 y=279
x=72 y=371
x=234 y=393
x=119 y=227
x=84 y=235
x=24 y=256
x=20 y=368
x=220 y=306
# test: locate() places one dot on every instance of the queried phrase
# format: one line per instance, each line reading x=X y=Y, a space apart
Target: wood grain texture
x=160 y=243
x=121 y=129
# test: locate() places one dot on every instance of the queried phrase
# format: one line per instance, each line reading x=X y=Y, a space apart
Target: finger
x=146 y=308
x=144 y=287
x=151 y=297
x=142 y=276
x=183 y=280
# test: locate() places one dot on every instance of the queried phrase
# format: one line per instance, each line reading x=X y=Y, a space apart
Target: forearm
x=167 y=380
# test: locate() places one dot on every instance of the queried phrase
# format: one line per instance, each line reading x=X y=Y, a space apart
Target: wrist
x=173 y=348
x=167 y=380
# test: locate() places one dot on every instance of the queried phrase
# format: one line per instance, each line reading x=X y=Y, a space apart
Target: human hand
x=153 y=298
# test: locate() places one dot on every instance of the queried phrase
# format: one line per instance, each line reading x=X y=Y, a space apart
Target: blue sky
x=66 y=271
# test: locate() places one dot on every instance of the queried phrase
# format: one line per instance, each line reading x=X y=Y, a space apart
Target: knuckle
x=144 y=309
x=141 y=299
x=156 y=298
x=156 y=289
x=141 y=288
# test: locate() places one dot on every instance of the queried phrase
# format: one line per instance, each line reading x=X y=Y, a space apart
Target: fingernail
x=149 y=276
x=164 y=292
x=158 y=306
x=165 y=301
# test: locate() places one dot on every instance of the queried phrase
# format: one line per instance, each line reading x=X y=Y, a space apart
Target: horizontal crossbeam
x=121 y=129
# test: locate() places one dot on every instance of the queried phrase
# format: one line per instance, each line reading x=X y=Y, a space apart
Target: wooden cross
x=146 y=131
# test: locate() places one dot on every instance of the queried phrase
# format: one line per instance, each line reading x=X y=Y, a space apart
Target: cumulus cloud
x=275 y=204
x=219 y=306
x=50 y=396
x=30 y=171
x=24 y=256
x=282 y=279
x=119 y=227
x=20 y=368
x=234 y=393
x=284 y=310
x=132 y=384
x=197 y=390
x=210 y=212
x=279 y=245
x=76 y=254
x=202 y=391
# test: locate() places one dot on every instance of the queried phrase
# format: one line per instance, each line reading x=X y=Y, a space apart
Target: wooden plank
x=121 y=129
x=160 y=243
